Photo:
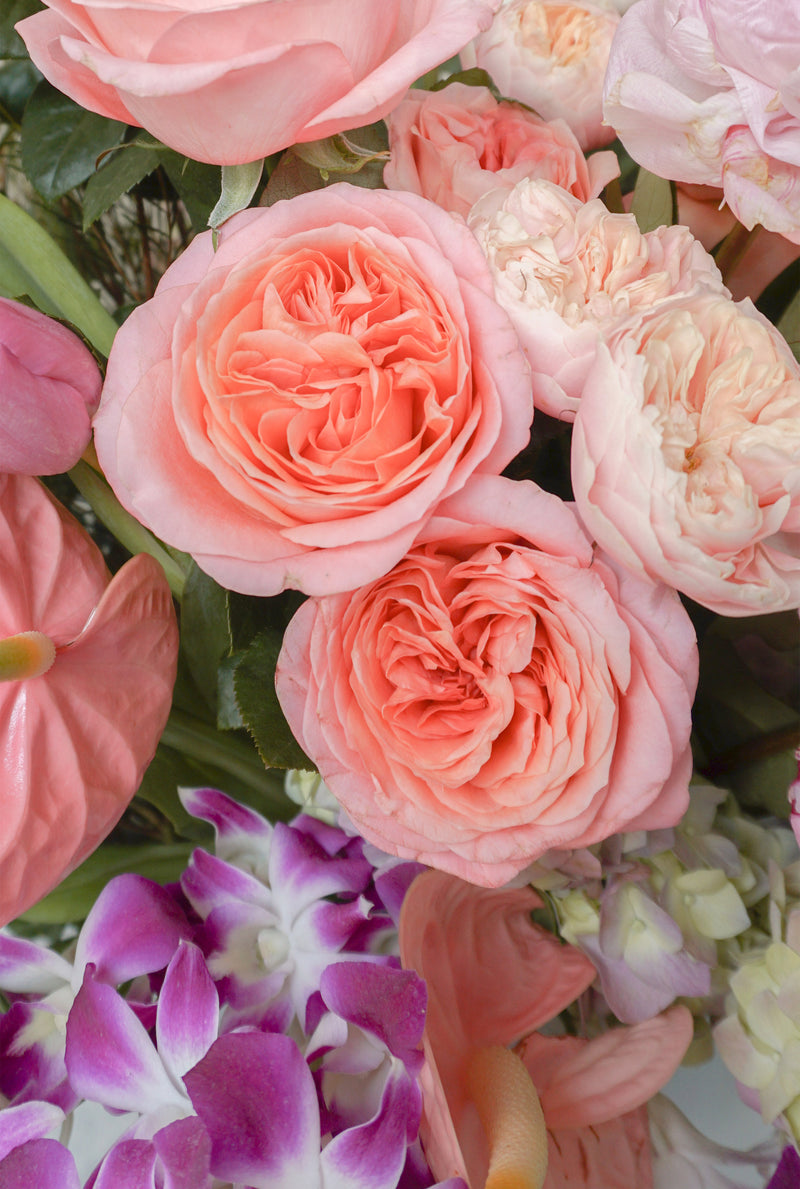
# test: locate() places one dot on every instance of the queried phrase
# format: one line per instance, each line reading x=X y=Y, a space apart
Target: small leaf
x=32 y=265
x=789 y=325
x=229 y=716
x=474 y=77
x=239 y=184
x=254 y=685
x=115 y=177
x=654 y=201
x=18 y=80
x=62 y=141
x=196 y=184
x=11 y=44
x=338 y=154
x=248 y=615
x=71 y=900
x=291 y=177
x=204 y=631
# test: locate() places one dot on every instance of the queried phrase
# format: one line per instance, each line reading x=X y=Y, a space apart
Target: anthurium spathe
x=87 y=666
x=493 y=978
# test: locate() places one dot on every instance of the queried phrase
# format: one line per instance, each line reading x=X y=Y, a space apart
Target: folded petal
x=188 y=1012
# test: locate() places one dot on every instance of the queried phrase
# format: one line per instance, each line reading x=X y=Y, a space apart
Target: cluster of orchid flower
x=255 y=1022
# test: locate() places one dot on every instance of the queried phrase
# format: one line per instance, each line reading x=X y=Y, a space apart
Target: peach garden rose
x=291 y=407
x=219 y=81
x=487 y=699
x=454 y=145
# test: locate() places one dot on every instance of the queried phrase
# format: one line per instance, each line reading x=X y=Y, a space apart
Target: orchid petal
x=28 y=1121
x=787 y=1174
x=209 y=882
x=44 y=1163
x=256 y=1096
x=372 y=1156
x=238 y=828
x=131 y=1164
x=30 y=969
x=185 y=1152
x=188 y=1012
x=388 y=1003
x=134 y=928
x=109 y=1056
x=304 y=872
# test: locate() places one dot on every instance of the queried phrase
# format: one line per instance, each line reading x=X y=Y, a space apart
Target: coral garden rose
x=487 y=699
x=51 y=387
x=454 y=145
x=707 y=91
x=686 y=454
x=552 y=56
x=291 y=407
x=568 y=273
x=218 y=81
x=87 y=666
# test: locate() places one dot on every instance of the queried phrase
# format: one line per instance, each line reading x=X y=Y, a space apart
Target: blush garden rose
x=487 y=699
x=290 y=408
x=218 y=81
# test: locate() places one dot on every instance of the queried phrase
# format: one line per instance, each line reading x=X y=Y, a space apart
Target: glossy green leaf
x=32 y=265
x=115 y=177
x=474 y=77
x=654 y=201
x=74 y=896
x=11 y=44
x=254 y=686
x=204 y=631
x=61 y=142
x=19 y=78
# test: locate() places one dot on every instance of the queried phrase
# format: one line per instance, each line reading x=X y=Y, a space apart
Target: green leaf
x=229 y=716
x=789 y=325
x=61 y=141
x=116 y=177
x=11 y=44
x=74 y=896
x=205 y=638
x=239 y=184
x=248 y=615
x=474 y=77
x=291 y=177
x=32 y=265
x=254 y=686
x=19 y=78
x=338 y=154
x=654 y=201
x=196 y=184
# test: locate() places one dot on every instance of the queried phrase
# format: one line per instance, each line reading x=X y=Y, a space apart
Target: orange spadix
x=509 y=1109
x=28 y=654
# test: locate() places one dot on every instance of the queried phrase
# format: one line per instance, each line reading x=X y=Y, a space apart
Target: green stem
x=126 y=528
x=733 y=248
x=200 y=741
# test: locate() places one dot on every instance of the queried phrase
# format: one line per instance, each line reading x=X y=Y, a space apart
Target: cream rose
x=552 y=56
x=488 y=699
x=686 y=454
x=569 y=273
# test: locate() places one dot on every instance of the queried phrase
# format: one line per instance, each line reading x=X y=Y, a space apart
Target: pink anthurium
x=87 y=666
x=493 y=979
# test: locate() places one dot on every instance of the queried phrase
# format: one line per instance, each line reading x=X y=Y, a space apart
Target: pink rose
x=686 y=454
x=454 y=145
x=51 y=387
x=220 y=81
x=487 y=699
x=87 y=666
x=707 y=91
x=568 y=273
x=291 y=407
x=551 y=56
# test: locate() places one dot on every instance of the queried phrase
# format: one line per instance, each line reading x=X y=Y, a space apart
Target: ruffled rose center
x=339 y=374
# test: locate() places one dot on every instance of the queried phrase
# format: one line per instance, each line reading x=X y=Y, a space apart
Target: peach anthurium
x=493 y=979
x=87 y=666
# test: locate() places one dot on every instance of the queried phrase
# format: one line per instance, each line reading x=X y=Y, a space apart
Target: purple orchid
x=27 y=1156
x=133 y=929
x=787 y=1174
x=278 y=904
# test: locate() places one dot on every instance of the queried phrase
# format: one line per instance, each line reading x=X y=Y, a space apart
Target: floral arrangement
x=399 y=639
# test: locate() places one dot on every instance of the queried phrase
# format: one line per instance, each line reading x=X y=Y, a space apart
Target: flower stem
x=126 y=528
x=733 y=248
x=202 y=742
